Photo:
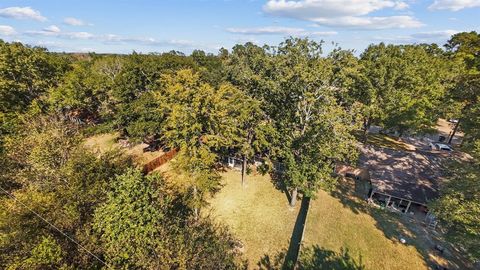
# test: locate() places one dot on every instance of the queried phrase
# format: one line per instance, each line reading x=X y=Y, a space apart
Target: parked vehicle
x=440 y=147
x=453 y=121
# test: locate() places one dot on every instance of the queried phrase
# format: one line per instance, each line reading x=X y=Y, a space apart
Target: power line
x=55 y=227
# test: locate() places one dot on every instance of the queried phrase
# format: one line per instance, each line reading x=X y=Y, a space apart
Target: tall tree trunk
x=400 y=134
x=195 y=208
x=293 y=200
x=244 y=169
x=454 y=131
x=365 y=129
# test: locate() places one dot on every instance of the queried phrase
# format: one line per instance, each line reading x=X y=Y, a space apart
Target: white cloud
x=78 y=35
x=246 y=39
x=440 y=36
x=372 y=23
x=52 y=32
x=454 y=5
x=110 y=38
x=444 y=34
x=52 y=28
x=75 y=22
x=21 y=13
x=401 y=6
x=45 y=43
x=279 y=30
x=312 y=9
x=6 y=30
x=342 y=13
x=86 y=49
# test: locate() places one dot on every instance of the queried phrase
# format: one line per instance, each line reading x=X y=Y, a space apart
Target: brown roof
x=409 y=175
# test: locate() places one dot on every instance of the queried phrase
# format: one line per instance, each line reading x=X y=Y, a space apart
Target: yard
x=371 y=236
x=337 y=223
x=108 y=141
x=260 y=217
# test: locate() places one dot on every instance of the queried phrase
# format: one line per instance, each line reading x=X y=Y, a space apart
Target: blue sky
x=121 y=26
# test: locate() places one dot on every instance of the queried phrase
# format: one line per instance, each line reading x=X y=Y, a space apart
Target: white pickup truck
x=440 y=146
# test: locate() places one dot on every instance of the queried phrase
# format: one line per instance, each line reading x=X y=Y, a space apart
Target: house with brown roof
x=398 y=179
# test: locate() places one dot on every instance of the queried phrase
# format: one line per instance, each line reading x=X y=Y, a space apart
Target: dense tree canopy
x=401 y=87
x=465 y=93
x=314 y=127
x=291 y=105
x=139 y=230
x=25 y=74
x=459 y=205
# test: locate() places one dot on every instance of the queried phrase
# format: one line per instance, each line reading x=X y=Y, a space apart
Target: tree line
x=291 y=103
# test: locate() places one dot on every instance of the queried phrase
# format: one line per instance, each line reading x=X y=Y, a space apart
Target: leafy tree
x=402 y=86
x=146 y=119
x=210 y=66
x=25 y=74
x=459 y=207
x=459 y=204
x=247 y=69
x=466 y=46
x=142 y=227
x=199 y=119
x=466 y=91
x=139 y=76
x=81 y=93
x=315 y=130
x=61 y=181
x=130 y=223
x=346 y=70
x=254 y=133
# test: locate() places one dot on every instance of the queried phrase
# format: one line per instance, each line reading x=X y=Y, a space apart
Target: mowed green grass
x=260 y=217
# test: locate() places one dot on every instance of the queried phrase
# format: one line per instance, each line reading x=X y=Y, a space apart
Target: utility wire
x=55 y=227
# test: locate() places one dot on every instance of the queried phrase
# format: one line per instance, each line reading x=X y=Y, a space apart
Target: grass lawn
x=386 y=141
x=258 y=214
x=107 y=141
x=370 y=240
x=260 y=217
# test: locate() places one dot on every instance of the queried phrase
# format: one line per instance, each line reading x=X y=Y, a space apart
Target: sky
x=123 y=26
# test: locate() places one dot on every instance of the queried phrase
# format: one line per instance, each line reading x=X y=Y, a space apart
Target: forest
x=65 y=206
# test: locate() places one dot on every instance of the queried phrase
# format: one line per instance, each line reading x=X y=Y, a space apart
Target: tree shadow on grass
x=314 y=257
x=397 y=226
x=297 y=235
x=351 y=194
x=286 y=259
x=279 y=183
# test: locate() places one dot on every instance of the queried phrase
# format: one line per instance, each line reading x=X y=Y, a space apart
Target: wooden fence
x=159 y=161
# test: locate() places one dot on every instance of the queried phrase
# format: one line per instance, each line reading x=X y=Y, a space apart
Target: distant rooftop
x=408 y=175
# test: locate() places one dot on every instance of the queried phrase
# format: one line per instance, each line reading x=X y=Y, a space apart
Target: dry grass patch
x=386 y=141
x=258 y=214
x=260 y=217
x=333 y=226
x=105 y=142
